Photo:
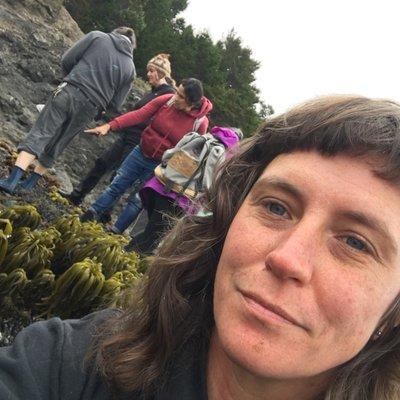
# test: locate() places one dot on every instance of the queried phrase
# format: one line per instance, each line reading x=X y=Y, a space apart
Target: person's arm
x=119 y=97
x=74 y=54
x=141 y=115
x=45 y=362
x=131 y=118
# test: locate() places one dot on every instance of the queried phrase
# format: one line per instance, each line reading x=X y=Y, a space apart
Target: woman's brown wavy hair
x=174 y=301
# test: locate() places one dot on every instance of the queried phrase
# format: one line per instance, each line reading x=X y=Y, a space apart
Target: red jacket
x=168 y=124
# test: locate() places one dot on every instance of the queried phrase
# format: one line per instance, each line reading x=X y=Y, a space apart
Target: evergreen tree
x=238 y=99
x=159 y=34
x=226 y=68
x=106 y=15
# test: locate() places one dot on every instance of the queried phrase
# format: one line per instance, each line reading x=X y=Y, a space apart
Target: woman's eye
x=277 y=209
x=355 y=243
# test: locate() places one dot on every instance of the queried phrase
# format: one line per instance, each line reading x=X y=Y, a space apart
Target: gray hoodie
x=101 y=65
x=48 y=361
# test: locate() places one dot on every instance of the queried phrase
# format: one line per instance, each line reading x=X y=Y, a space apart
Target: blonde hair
x=161 y=64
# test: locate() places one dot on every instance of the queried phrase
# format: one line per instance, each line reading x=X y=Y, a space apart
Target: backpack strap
x=197 y=123
x=169 y=153
x=199 y=167
x=213 y=143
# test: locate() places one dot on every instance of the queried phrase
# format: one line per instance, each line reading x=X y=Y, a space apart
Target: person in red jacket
x=172 y=116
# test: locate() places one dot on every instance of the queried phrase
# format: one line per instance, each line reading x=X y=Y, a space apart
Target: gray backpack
x=189 y=167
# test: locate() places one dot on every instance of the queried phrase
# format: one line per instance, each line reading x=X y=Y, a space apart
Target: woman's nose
x=294 y=255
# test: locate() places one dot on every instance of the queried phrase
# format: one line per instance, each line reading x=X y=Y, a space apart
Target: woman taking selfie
x=288 y=290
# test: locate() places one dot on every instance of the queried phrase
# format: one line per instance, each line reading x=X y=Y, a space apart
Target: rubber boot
x=75 y=197
x=89 y=215
x=105 y=218
x=30 y=182
x=8 y=185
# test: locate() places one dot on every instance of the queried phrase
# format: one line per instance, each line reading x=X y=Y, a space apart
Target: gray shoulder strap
x=197 y=123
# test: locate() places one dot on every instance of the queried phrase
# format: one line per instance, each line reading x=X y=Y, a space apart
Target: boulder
x=33 y=36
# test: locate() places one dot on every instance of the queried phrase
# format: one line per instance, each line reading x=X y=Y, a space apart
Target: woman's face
x=152 y=76
x=309 y=266
x=180 y=100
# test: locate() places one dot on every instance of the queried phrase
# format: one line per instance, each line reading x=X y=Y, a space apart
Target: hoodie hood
x=206 y=107
x=225 y=135
x=122 y=44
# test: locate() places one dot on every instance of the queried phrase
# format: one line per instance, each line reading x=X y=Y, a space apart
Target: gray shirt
x=102 y=66
x=46 y=362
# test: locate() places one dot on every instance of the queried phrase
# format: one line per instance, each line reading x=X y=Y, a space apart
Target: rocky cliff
x=33 y=36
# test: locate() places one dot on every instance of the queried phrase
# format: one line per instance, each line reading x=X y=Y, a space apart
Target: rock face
x=33 y=36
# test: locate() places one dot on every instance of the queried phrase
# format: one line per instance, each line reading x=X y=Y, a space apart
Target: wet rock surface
x=33 y=36
x=39 y=196
x=13 y=320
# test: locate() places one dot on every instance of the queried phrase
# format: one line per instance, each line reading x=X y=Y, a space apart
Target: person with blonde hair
x=288 y=288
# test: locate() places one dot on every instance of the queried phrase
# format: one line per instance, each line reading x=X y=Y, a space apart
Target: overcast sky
x=311 y=47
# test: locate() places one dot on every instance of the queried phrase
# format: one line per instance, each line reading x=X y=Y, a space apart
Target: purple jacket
x=226 y=136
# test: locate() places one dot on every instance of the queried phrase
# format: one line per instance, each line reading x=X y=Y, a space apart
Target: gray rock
x=63 y=179
x=33 y=36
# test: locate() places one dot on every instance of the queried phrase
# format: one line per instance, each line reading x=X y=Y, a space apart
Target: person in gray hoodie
x=99 y=71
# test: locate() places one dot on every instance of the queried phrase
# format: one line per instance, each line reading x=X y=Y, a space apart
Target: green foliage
x=60 y=270
x=160 y=33
x=226 y=68
x=237 y=99
x=106 y=15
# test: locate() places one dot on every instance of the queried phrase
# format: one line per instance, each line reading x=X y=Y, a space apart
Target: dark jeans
x=65 y=115
x=135 y=168
x=160 y=209
x=130 y=213
x=109 y=160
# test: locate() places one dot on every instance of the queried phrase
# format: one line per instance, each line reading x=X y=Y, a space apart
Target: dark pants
x=66 y=113
x=134 y=170
x=159 y=209
x=109 y=160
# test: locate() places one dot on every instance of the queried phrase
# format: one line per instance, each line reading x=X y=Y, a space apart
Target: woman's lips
x=268 y=311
